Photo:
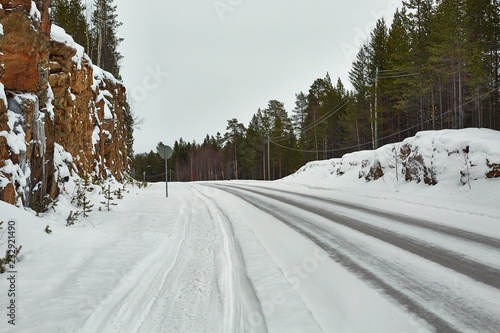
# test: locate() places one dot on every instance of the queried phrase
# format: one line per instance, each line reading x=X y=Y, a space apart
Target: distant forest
x=436 y=66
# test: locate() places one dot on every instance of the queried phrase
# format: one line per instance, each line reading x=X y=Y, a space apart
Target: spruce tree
x=234 y=135
x=257 y=136
x=482 y=18
x=282 y=137
x=81 y=198
x=359 y=78
x=448 y=53
x=398 y=75
x=377 y=50
x=108 y=196
x=70 y=15
x=105 y=40
x=419 y=14
x=299 y=112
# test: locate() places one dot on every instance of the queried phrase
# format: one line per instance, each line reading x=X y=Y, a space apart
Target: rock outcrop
x=59 y=115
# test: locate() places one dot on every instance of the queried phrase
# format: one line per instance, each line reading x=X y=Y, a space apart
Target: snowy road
x=446 y=276
x=260 y=257
x=192 y=283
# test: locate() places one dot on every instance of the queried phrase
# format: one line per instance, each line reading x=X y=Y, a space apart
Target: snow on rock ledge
x=453 y=157
x=69 y=118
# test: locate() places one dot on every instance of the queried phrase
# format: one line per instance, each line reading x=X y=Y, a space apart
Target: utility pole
x=235 y=160
x=268 y=156
x=375 y=144
x=166 y=170
x=460 y=100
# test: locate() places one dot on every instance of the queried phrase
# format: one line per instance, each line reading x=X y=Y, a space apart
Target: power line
x=309 y=127
x=397 y=76
x=388 y=136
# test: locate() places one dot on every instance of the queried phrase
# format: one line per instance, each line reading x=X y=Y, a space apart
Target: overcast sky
x=191 y=65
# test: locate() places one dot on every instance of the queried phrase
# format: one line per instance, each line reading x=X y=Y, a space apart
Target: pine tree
x=398 y=75
x=419 y=15
x=449 y=50
x=360 y=112
x=105 y=40
x=377 y=50
x=257 y=136
x=130 y=123
x=282 y=138
x=70 y=15
x=482 y=20
x=299 y=112
x=108 y=196
x=81 y=197
x=315 y=136
x=72 y=218
x=351 y=124
x=234 y=135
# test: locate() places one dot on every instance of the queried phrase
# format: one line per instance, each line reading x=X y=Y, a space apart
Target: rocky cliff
x=59 y=114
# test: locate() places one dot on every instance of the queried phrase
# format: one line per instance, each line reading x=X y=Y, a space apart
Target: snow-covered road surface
x=446 y=276
x=193 y=282
x=260 y=257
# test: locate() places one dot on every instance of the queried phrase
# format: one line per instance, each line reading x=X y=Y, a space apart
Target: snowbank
x=447 y=157
x=58 y=34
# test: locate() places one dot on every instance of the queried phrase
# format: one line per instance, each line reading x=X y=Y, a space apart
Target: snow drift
x=451 y=157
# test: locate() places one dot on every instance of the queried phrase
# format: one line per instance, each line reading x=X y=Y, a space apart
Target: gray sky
x=191 y=65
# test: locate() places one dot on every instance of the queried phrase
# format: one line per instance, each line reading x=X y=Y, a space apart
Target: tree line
x=95 y=28
x=437 y=66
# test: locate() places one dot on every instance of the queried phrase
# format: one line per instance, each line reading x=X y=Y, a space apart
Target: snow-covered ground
x=247 y=256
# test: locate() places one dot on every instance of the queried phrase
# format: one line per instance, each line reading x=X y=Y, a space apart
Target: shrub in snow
x=53 y=205
x=72 y=218
x=394 y=157
x=109 y=197
x=466 y=164
x=363 y=173
x=81 y=198
x=118 y=193
x=99 y=181
x=4 y=261
x=10 y=255
x=142 y=184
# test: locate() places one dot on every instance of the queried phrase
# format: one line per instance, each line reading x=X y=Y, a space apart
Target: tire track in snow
x=238 y=293
x=452 y=260
x=403 y=219
x=336 y=247
x=126 y=306
x=190 y=283
x=190 y=299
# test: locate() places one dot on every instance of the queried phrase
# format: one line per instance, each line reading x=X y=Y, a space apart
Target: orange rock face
x=25 y=47
x=86 y=115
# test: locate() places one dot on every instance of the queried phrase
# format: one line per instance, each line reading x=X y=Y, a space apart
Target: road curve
x=446 y=309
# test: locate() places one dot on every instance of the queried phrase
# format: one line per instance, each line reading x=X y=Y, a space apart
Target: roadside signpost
x=165 y=152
